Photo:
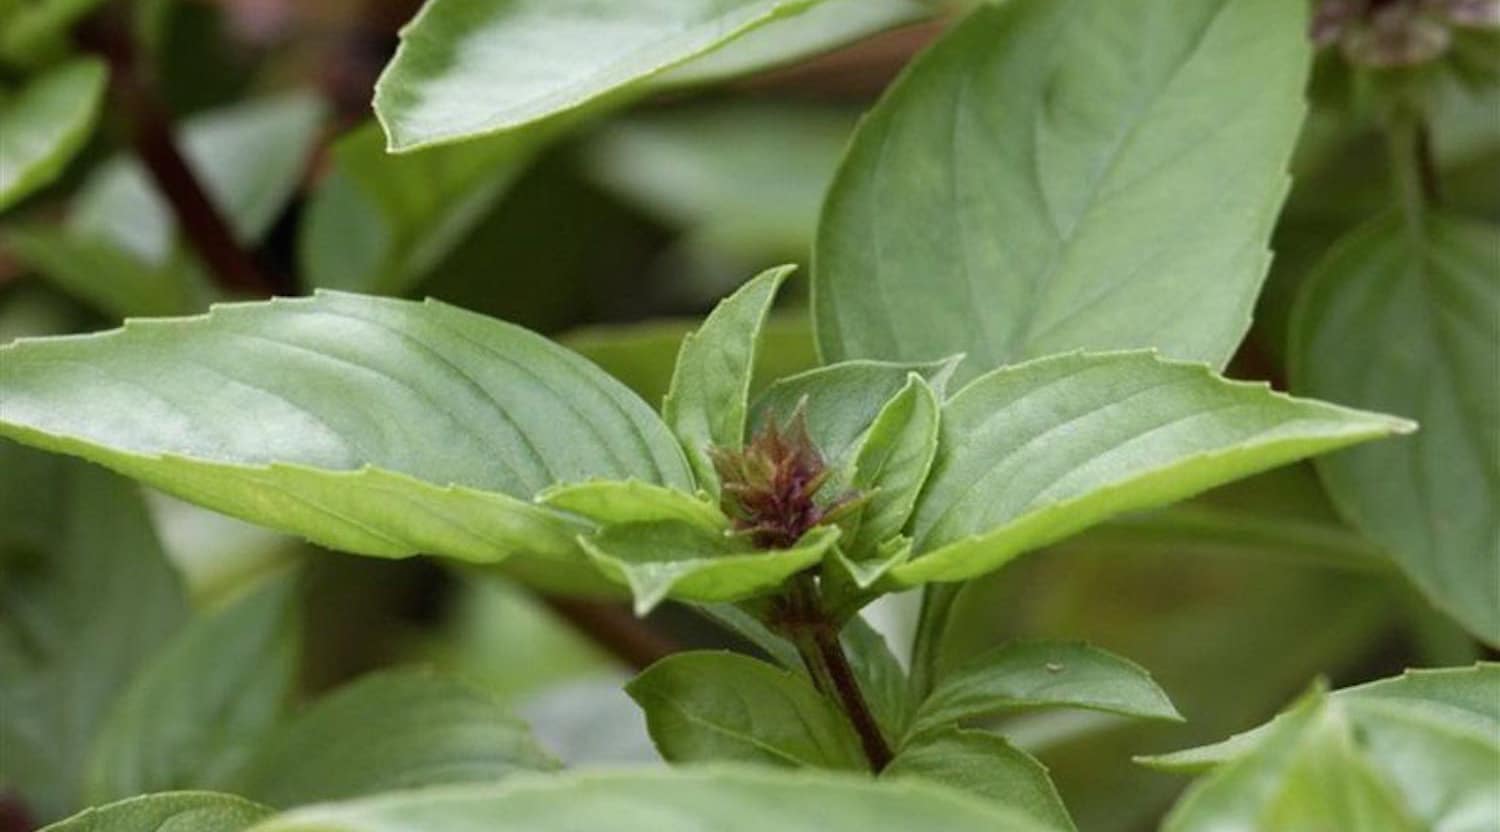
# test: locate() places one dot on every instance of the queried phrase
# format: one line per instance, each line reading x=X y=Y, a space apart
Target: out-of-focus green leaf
x=79 y=614
x=719 y=798
x=169 y=812
x=1141 y=432
x=380 y=223
x=33 y=30
x=708 y=401
x=392 y=730
x=468 y=68
x=106 y=276
x=45 y=123
x=1064 y=175
x=193 y=713
x=988 y=766
x=1417 y=310
x=376 y=426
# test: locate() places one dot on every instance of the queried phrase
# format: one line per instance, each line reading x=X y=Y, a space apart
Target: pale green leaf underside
x=707 y=403
x=1043 y=674
x=400 y=729
x=1033 y=453
x=44 y=124
x=1409 y=322
x=470 y=67
x=616 y=502
x=168 y=812
x=988 y=766
x=711 y=799
x=1067 y=174
x=665 y=559
x=710 y=706
x=378 y=426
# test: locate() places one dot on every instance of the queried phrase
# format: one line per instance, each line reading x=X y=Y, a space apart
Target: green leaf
x=988 y=766
x=1470 y=695
x=1034 y=453
x=375 y=426
x=881 y=678
x=1398 y=762
x=750 y=628
x=169 y=812
x=1418 y=313
x=33 y=31
x=703 y=706
x=106 y=276
x=616 y=502
x=665 y=559
x=469 y=68
x=191 y=716
x=707 y=402
x=379 y=223
x=1043 y=674
x=44 y=124
x=843 y=400
x=720 y=798
x=1064 y=175
x=391 y=730
x=77 y=619
x=822 y=26
x=891 y=464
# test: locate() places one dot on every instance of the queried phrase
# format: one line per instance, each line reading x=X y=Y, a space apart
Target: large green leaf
x=1042 y=674
x=393 y=730
x=1033 y=453
x=1408 y=320
x=383 y=427
x=707 y=403
x=80 y=611
x=1397 y=759
x=472 y=67
x=168 y=812
x=667 y=558
x=715 y=799
x=988 y=766
x=704 y=706
x=1065 y=174
x=380 y=223
x=44 y=124
x=194 y=712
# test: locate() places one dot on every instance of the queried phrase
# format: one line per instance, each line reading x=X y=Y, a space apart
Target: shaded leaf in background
x=375 y=426
x=988 y=766
x=1140 y=432
x=33 y=30
x=720 y=798
x=44 y=123
x=78 y=618
x=194 y=712
x=706 y=706
x=1408 y=321
x=170 y=812
x=398 y=729
x=1065 y=175
x=468 y=68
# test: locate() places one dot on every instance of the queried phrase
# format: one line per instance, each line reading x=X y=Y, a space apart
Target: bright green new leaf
x=988 y=766
x=1043 y=674
x=79 y=615
x=663 y=559
x=192 y=715
x=843 y=400
x=399 y=729
x=168 y=812
x=1033 y=453
x=380 y=223
x=1067 y=174
x=616 y=502
x=45 y=124
x=707 y=403
x=467 y=68
x=376 y=426
x=712 y=799
x=1417 y=313
x=890 y=466
x=705 y=706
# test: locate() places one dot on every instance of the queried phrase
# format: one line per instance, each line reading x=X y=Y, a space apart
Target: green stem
x=1412 y=166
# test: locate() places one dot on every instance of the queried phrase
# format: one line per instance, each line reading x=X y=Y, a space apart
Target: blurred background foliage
x=613 y=234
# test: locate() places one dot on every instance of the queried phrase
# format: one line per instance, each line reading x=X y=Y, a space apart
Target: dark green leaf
x=988 y=766
x=46 y=123
x=880 y=675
